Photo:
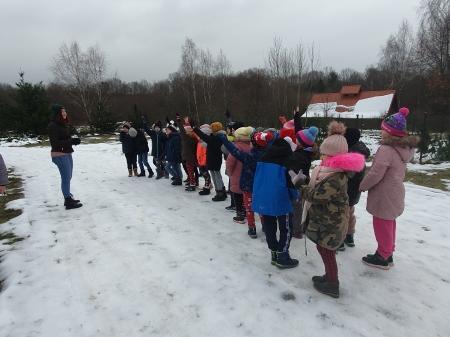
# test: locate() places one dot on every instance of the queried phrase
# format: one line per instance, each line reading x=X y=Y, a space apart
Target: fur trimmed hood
x=407 y=141
x=349 y=162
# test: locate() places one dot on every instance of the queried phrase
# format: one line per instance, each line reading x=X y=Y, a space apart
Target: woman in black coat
x=173 y=155
x=61 y=141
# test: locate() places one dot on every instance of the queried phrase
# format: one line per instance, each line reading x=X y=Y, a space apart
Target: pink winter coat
x=384 y=181
x=234 y=166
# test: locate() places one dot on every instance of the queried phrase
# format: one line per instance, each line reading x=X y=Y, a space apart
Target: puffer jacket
x=384 y=181
x=141 y=143
x=328 y=214
x=213 y=150
x=234 y=166
x=273 y=192
x=355 y=180
x=128 y=143
x=173 y=148
x=188 y=147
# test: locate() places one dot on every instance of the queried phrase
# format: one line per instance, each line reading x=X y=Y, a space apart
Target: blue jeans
x=143 y=160
x=174 y=169
x=65 y=167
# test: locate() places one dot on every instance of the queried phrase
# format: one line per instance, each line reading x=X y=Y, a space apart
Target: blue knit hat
x=308 y=136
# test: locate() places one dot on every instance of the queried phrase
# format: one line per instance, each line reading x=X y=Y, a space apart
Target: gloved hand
x=297 y=179
x=76 y=141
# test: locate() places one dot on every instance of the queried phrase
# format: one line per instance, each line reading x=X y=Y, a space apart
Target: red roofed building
x=352 y=102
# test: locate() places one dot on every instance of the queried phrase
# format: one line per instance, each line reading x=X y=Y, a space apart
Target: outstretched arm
x=202 y=135
x=234 y=151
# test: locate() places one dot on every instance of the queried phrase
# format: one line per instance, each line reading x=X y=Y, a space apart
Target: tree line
x=415 y=64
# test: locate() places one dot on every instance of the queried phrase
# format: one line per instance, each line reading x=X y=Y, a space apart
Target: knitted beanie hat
x=216 y=127
x=395 y=124
x=308 y=136
x=206 y=129
x=335 y=143
x=243 y=133
x=262 y=139
x=132 y=132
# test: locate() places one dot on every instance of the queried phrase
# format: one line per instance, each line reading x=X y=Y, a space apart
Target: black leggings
x=284 y=224
x=131 y=160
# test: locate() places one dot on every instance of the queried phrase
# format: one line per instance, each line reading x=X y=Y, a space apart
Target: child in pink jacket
x=234 y=169
x=384 y=181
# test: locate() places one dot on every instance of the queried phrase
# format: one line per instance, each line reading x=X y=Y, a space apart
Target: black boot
x=220 y=196
x=70 y=200
x=130 y=173
x=150 y=174
x=205 y=191
x=142 y=174
x=177 y=182
x=190 y=189
x=252 y=232
x=341 y=248
x=376 y=261
x=319 y=279
x=71 y=204
x=284 y=261
x=349 y=240
x=274 y=257
x=328 y=288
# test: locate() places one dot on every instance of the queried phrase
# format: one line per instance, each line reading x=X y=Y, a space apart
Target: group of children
x=270 y=174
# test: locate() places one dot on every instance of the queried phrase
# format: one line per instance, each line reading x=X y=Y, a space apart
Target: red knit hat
x=262 y=139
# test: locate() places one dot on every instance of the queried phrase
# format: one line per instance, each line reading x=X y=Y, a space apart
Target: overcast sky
x=142 y=39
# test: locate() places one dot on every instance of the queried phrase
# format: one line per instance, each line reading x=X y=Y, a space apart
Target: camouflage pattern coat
x=327 y=220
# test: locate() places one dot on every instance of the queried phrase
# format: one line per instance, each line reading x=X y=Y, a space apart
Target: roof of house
x=351 y=101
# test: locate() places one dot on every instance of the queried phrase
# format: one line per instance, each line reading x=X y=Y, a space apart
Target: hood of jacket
x=348 y=162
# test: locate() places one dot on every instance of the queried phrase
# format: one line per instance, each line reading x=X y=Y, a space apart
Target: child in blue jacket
x=273 y=194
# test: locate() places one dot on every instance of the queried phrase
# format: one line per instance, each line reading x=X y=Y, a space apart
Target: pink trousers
x=385 y=235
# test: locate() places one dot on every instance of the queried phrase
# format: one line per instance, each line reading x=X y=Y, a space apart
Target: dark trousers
x=271 y=224
x=205 y=174
x=239 y=203
x=131 y=160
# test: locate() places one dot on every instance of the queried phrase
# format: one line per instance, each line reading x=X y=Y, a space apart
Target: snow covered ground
x=143 y=258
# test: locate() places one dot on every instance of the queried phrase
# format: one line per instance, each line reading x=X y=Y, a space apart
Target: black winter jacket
x=213 y=150
x=128 y=143
x=173 y=148
x=60 y=137
x=141 y=143
x=158 y=142
x=300 y=160
x=353 y=182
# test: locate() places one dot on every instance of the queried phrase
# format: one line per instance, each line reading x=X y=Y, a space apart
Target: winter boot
x=190 y=189
x=150 y=174
x=328 y=288
x=319 y=279
x=142 y=174
x=177 y=182
x=205 y=191
x=376 y=261
x=239 y=219
x=71 y=195
x=135 y=172
x=349 y=240
x=274 y=257
x=130 y=173
x=284 y=261
x=220 y=196
x=71 y=204
x=231 y=208
x=252 y=232
x=70 y=200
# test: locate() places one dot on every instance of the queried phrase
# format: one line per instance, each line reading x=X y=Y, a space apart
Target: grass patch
x=15 y=191
x=433 y=179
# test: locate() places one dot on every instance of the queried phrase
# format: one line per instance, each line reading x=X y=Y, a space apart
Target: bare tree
x=83 y=73
x=300 y=68
x=189 y=69
x=222 y=69
x=434 y=36
x=397 y=56
x=206 y=71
